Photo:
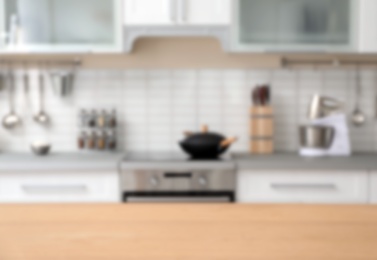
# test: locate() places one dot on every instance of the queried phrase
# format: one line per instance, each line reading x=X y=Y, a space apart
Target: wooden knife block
x=261 y=130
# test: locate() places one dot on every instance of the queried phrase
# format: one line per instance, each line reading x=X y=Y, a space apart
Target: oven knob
x=202 y=181
x=154 y=181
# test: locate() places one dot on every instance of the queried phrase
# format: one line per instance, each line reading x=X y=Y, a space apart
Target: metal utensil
x=11 y=120
x=62 y=82
x=2 y=81
x=26 y=81
x=3 y=78
x=358 y=117
x=41 y=117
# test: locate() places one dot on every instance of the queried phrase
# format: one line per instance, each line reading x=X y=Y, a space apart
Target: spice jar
x=92 y=119
x=101 y=119
x=111 y=141
x=91 y=141
x=81 y=140
x=101 y=141
x=113 y=119
x=83 y=118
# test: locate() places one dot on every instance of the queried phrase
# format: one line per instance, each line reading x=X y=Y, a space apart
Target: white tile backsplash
x=155 y=106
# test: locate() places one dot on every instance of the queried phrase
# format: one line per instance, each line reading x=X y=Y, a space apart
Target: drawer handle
x=311 y=186
x=54 y=189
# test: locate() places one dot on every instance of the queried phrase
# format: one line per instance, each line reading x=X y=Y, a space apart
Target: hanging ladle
x=11 y=120
x=41 y=118
x=358 y=117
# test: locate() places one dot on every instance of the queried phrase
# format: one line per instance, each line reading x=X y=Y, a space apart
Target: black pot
x=204 y=145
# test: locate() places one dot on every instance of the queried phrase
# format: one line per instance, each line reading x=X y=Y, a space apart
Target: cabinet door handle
x=173 y=10
x=55 y=189
x=309 y=186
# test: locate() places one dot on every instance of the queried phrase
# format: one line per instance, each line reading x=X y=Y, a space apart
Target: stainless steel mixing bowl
x=312 y=136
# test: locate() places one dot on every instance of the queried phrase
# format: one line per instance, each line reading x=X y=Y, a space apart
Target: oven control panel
x=178 y=180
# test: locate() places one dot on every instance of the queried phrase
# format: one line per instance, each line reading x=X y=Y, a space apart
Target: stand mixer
x=327 y=132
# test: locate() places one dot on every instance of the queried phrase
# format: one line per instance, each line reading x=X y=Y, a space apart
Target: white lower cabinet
x=59 y=187
x=373 y=188
x=322 y=187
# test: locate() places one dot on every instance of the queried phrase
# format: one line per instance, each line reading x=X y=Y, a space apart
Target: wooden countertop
x=205 y=232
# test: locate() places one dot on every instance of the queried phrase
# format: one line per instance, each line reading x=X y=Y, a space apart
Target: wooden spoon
x=228 y=141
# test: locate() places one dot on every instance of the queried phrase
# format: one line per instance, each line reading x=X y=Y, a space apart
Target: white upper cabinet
x=149 y=12
x=177 y=12
x=61 y=25
x=368 y=26
x=207 y=12
x=296 y=25
x=177 y=18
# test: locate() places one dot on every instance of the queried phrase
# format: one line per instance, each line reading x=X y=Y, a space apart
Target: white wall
x=156 y=106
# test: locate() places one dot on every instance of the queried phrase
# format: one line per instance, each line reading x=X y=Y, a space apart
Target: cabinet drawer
x=302 y=187
x=61 y=187
x=373 y=188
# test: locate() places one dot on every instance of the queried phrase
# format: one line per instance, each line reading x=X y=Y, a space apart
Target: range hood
x=133 y=33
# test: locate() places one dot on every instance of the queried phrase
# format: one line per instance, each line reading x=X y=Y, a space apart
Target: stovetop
x=170 y=157
x=173 y=160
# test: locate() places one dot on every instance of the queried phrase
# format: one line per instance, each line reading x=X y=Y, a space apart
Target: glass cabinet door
x=61 y=24
x=300 y=24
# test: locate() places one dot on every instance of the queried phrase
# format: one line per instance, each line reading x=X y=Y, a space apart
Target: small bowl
x=40 y=148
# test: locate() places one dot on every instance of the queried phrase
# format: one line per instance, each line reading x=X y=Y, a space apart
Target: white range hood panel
x=132 y=33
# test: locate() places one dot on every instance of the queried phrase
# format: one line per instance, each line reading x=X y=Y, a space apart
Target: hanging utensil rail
x=335 y=62
x=75 y=62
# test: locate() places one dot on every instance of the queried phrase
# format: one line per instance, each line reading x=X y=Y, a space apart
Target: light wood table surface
x=185 y=232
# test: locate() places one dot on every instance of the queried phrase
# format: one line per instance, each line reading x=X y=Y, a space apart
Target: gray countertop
x=244 y=161
x=292 y=161
x=174 y=161
x=59 y=161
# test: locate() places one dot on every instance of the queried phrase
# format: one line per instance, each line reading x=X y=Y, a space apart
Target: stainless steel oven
x=167 y=181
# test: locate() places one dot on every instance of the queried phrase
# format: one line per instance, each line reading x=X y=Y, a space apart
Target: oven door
x=178 y=197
